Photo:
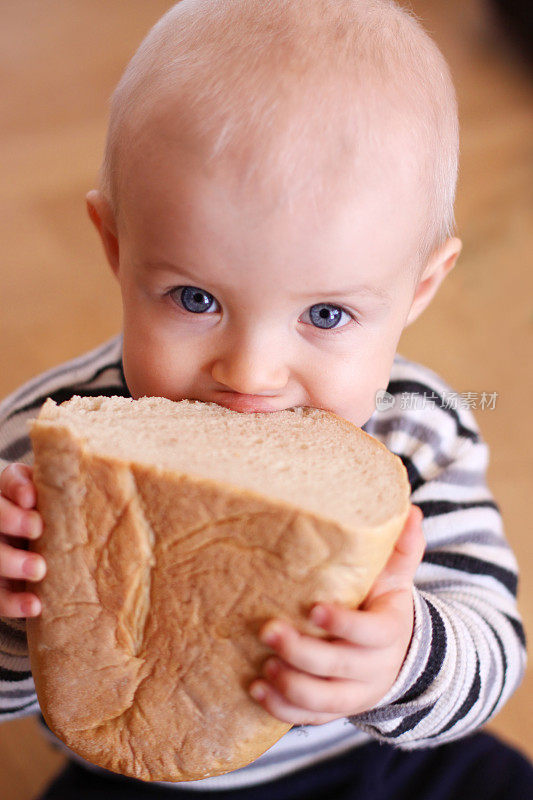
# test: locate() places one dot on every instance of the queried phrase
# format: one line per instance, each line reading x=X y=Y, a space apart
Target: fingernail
x=33 y=569
x=24 y=495
x=258 y=691
x=34 y=526
x=29 y=608
x=272 y=634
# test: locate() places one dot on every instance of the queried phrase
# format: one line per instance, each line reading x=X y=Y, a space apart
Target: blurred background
x=59 y=62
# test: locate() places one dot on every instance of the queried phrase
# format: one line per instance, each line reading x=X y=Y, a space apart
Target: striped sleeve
x=94 y=373
x=468 y=651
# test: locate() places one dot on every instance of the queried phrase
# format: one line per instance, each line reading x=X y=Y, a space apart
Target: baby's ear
x=438 y=266
x=102 y=216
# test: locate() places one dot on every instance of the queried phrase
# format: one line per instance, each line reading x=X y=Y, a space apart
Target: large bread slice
x=172 y=532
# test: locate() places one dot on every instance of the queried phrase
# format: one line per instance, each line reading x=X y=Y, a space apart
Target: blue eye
x=325 y=315
x=193 y=299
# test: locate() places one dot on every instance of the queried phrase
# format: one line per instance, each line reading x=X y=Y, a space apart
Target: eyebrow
x=373 y=291
x=360 y=290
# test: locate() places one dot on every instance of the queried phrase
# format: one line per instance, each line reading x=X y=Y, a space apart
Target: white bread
x=172 y=532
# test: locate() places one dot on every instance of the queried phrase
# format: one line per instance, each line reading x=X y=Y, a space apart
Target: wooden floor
x=59 y=61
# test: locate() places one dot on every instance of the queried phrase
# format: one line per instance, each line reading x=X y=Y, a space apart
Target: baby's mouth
x=245 y=402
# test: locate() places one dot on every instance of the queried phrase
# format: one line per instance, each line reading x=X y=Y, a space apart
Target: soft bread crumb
x=285 y=454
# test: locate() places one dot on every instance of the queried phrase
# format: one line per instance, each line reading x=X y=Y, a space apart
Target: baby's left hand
x=316 y=681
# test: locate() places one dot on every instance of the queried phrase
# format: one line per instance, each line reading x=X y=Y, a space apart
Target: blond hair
x=295 y=85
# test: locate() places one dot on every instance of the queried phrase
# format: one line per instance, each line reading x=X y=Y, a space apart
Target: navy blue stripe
x=432 y=508
x=519 y=629
x=415 y=478
x=504 y=667
x=436 y=657
x=473 y=566
x=13 y=633
x=417 y=387
x=471 y=698
x=410 y=721
x=11 y=675
x=16 y=450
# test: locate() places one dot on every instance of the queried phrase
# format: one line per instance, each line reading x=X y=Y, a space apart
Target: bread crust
x=157 y=586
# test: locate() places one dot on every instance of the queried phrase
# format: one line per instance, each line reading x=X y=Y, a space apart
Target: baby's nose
x=249 y=369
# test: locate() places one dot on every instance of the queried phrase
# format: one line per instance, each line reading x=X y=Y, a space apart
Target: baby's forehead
x=304 y=99
x=173 y=203
x=293 y=148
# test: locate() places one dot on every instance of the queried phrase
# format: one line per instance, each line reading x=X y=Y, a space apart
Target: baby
x=276 y=203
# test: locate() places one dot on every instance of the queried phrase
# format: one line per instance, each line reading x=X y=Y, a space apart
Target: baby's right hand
x=17 y=520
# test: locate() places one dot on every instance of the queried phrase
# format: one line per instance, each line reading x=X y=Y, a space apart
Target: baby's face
x=231 y=297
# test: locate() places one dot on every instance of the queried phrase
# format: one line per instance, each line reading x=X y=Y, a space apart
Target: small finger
x=277 y=705
x=328 y=659
x=19 y=604
x=16 y=521
x=16 y=483
x=317 y=695
x=20 y=564
x=371 y=629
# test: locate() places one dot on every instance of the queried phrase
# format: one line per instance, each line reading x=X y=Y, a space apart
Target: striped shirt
x=468 y=652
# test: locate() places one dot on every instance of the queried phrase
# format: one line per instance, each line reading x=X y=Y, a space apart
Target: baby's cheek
x=348 y=392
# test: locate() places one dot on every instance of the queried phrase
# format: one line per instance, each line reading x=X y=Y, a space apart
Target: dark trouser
x=478 y=767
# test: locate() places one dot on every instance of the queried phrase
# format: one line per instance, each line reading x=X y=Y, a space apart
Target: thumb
x=403 y=562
